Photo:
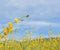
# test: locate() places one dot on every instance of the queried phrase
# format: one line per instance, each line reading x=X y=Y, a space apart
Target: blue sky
x=43 y=13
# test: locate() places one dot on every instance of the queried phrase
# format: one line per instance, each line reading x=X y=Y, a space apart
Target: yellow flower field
x=35 y=44
x=26 y=43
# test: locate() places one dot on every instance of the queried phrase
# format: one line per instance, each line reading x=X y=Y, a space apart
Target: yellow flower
x=1 y=45
x=5 y=31
x=26 y=39
x=16 y=20
x=10 y=29
x=48 y=44
x=10 y=24
x=1 y=36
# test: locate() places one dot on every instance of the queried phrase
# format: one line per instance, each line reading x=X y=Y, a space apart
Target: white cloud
x=38 y=9
x=38 y=23
x=41 y=8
